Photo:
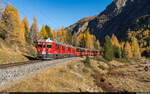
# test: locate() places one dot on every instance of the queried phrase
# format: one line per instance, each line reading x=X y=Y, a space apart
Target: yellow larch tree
x=128 y=50
x=135 y=48
x=43 y=32
x=115 y=41
x=11 y=24
x=54 y=34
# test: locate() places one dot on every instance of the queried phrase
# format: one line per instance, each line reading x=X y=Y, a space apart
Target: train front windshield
x=39 y=45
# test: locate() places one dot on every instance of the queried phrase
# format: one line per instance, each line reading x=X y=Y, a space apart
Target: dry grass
x=66 y=78
x=76 y=77
x=15 y=53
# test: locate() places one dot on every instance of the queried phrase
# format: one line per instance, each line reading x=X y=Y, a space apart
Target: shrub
x=87 y=60
x=117 y=52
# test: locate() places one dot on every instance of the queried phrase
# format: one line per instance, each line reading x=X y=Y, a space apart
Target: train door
x=44 y=48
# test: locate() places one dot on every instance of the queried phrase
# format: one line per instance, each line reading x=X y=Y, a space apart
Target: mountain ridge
x=116 y=19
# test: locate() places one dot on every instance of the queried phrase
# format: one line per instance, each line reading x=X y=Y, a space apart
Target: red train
x=48 y=49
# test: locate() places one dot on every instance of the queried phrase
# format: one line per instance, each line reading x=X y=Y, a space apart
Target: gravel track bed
x=10 y=75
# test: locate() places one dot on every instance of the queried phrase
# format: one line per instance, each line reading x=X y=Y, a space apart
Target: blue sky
x=57 y=13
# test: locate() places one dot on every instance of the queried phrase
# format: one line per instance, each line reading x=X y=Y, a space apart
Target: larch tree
x=51 y=31
x=115 y=41
x=88 y=40
x=108 y=49
x=135 y=48
x=11 y=26
x=43 y=32
x=34 y=31
x=26 y=30
x=59 y=35
x=74 y=39
x=54 y=34
x=97 y=45
x=128 y=50
x=116 y=46
x=81 y=39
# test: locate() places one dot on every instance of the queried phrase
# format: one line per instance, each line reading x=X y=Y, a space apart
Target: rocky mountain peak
x=120 y=3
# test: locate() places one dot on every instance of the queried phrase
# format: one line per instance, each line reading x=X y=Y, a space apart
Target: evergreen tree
x=108 y=49
x=34 y=31
x=135 y=48
x=69 y=37
x=49 y=31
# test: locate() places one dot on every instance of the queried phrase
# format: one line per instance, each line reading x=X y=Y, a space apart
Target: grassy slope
x=15 y=53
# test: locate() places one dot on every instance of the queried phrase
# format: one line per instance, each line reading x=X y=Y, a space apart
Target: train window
x=49 y=45
x=39 y=45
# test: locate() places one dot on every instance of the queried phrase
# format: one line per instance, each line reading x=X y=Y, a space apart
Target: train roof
x=55 y=41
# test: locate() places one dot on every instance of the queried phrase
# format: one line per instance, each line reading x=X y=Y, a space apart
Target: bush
x=124 y=54
x=146 y=53
x=117 y=52
x=87 y=60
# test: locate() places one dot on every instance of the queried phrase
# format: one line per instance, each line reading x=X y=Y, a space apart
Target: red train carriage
x=48 y=49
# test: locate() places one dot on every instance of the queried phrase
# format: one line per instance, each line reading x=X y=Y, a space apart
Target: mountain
x=118 y=18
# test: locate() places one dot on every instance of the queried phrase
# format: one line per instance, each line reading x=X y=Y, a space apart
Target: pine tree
x=34 y=31
x=135 y=48
x=48 y=31
x=68 y=37
x=43 y=32
x=108 y=49
x=128 y=50
x=27 y=30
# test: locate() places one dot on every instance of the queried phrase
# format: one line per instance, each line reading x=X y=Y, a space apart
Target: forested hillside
x=19 y=37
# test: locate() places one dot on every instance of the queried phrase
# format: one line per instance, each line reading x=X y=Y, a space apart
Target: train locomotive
x=50 y=49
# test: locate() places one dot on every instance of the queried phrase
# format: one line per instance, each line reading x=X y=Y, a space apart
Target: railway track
x=4 y=66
